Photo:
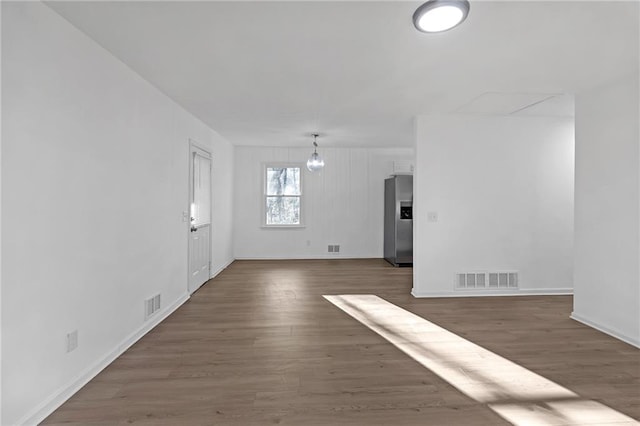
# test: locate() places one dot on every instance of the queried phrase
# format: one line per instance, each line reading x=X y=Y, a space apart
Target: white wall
x=221 y=211
x=0 y=229
x=607 y=210
x=502 y=188
x=94 y=183
x=344 y=203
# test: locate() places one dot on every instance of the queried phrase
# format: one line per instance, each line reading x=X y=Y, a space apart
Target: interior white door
x=200 y=208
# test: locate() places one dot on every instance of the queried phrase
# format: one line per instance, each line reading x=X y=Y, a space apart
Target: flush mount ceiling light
x=315 y=162
x=440 y=15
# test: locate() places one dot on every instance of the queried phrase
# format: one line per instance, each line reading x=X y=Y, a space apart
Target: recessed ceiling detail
x=497 y=103
x=556 y=106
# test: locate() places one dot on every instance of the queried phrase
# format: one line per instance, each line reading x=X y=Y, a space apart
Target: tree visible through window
x=283 y=193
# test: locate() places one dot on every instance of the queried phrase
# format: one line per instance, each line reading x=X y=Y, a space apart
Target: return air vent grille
x=151 y=306
x=487 y=280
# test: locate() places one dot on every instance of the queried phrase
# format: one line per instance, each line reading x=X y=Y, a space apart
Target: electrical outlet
x=72 y=340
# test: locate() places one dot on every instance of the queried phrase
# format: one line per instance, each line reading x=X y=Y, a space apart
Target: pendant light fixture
x=315 y=162
x=440 y=15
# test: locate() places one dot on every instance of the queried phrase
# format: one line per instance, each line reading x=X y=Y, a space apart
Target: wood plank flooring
x=259 y=345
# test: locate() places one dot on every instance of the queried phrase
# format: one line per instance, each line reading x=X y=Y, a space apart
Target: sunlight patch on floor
x=518 y=395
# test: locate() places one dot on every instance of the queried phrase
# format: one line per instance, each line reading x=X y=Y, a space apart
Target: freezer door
x=404 y=233
x=398 y=220
x=390 y=220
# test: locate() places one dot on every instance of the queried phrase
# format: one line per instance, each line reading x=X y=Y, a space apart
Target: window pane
x=201 y=207
x=283 y=210
x=283 y=180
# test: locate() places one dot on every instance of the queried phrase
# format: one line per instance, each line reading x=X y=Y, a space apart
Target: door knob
x=193 y=228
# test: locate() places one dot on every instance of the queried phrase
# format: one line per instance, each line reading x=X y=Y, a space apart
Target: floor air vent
x=151 y=306
x=487 y=280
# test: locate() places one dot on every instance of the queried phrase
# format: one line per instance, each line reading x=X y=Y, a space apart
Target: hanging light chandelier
x=315 y=162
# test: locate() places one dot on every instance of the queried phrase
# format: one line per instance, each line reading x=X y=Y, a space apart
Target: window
x=283 y=196
x=201 y=187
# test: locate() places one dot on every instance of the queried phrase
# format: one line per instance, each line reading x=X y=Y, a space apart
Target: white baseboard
x=222 y=268
x=506 y=292
x=57 y=398
x=303 y=257
x=606 y=330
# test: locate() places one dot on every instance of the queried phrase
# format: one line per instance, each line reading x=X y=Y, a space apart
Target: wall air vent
x=486 y=280
x=151 y=306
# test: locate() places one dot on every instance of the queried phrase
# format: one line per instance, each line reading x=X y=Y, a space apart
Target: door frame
x=193 y=144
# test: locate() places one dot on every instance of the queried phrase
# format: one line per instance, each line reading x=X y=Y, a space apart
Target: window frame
x=263 y=210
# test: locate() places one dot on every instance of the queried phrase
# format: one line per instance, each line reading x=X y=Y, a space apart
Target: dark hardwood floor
x=259 y=345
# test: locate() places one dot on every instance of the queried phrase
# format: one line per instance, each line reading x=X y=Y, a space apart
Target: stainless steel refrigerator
x=398 y=220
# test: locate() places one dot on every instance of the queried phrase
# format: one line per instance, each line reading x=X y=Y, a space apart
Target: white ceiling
x=271 y=73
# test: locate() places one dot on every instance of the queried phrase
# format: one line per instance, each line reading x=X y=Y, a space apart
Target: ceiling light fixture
x=315 y=162
x=440 y=15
